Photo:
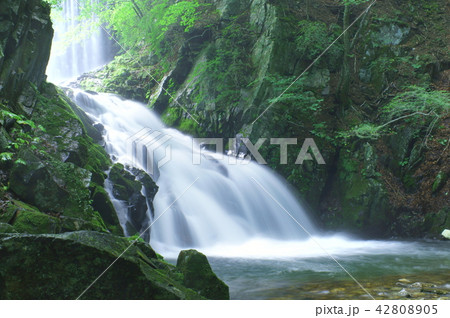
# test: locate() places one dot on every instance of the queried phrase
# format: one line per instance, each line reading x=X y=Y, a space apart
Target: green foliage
x=135 y=238
x=137 y=22
x=297 y=103
x=410 y=106
x=220 y=107
x=362 y=131
x=297 y=113
x=56 y=4
x=418 y=99
x=22 y=135
x=314 y=37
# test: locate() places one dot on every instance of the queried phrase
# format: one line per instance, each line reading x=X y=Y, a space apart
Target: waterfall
x=91 y=51
x=220 y=202
x=198 y=205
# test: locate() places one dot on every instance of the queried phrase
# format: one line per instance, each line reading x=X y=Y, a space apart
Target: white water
x=68 y=61
x=203 y=206
x=216 y=207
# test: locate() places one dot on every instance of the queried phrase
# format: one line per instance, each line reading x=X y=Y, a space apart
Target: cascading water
x=92 y=51
x=223 y=205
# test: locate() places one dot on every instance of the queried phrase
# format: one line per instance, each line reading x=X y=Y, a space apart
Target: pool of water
x=306 y=270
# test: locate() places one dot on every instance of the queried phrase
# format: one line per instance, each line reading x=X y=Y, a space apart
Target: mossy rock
x=33 y=267
x=35 y=222
x=103 y=205
x=363 y=199
x=127 y=187
x=199 y=276
x=118 y=175
x=70 y=135
x=25 y=218
x=52 y=186
x=435 y=223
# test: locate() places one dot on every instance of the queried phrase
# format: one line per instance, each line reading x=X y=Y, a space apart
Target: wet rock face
x=25 y=41
x=131 y=188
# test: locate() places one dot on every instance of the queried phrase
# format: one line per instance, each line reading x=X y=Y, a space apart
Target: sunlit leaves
x=137 y=22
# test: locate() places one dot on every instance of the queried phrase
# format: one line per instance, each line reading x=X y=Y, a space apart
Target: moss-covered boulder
x=102 y=203
x=63 y=266
x=54 y=187
x=25 y=218
x=50 y=186
x=199 y=276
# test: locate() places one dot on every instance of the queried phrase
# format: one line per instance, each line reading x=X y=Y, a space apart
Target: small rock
x=416 y=285
x=403 y=293
x=446 y=233
x=404 y=281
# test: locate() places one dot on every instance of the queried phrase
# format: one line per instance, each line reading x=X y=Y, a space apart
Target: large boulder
x=53 y=187
x=199 y=276
x=24 y=218
x=62 y=266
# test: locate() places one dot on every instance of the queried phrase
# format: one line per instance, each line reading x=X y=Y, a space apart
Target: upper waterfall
x=92 y=50
x=199 y=205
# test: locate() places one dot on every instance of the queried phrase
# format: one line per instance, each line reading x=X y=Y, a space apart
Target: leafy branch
x=416 y=101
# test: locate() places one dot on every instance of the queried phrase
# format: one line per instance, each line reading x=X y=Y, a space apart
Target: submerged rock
x=199 y=276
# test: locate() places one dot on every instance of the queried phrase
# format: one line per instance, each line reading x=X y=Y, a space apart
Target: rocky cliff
x=381 y=179
x=25 y=39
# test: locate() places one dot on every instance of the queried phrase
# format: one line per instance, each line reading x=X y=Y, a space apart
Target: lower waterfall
x=216 y=202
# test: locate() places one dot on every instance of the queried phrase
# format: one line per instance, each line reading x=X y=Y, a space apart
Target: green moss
x=33 y=267
x=54 y=175
x=6 y=228
x=102 y=204
x=198 y=275
x=124 y=181
x=28 y=219
x=35 y=222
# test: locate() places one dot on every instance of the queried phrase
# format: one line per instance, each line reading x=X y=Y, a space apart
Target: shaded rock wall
x=25 y=39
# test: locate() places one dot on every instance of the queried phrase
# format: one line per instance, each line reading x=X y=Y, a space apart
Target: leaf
x=5 y=156
x=21 y=162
